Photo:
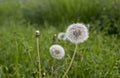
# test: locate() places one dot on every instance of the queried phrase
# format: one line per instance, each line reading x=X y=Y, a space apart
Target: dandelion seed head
x=57 y=51
x=61 y=36
x=77 y=33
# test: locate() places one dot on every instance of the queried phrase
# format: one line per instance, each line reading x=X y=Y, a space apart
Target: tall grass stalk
x=76 y=45
x=16 y=58
x=29 y=54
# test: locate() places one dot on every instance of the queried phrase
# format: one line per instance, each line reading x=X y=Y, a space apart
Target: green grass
x=100 y=54
x=98 y=57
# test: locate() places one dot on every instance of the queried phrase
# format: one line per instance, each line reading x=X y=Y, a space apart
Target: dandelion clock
x=57 y=51
x=77 y=33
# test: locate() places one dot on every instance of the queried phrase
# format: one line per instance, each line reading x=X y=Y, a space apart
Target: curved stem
x=70 y=62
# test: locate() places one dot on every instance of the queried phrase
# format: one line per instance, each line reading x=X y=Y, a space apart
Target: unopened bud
x=54 y=38
x=37 y=33
x=43 y=75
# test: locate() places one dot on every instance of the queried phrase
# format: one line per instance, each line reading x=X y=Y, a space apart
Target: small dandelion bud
x=61 y=36
x=37 y=33
x=43 y=74
x=77 y=33
x=54 y=38
x=57 y=51
x=88 y=26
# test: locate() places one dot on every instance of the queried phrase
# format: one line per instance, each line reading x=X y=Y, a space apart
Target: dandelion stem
x=52 y=69
x=71 y=61
x=39 y=65
x=53 y=60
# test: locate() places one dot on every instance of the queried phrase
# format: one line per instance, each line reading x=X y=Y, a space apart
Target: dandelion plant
x=39 y=65
x=75 y=33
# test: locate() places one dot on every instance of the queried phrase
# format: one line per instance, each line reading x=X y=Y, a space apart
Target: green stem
x=39 y=65
x=70 y=61
x=52 y=68
x=53 y=60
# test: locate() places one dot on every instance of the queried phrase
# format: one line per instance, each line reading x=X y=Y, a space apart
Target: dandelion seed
x=61 y=36
x=57 y=51
x=77 y=33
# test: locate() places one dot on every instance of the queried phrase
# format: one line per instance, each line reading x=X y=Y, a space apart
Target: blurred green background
x=103 y=15
x=19 y=19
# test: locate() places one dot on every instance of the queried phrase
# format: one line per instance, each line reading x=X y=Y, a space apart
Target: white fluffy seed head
x=57 y=51
x=61 y=36
x=77 y=33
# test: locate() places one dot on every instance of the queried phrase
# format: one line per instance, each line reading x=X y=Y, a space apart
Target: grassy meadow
x=98 y=57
